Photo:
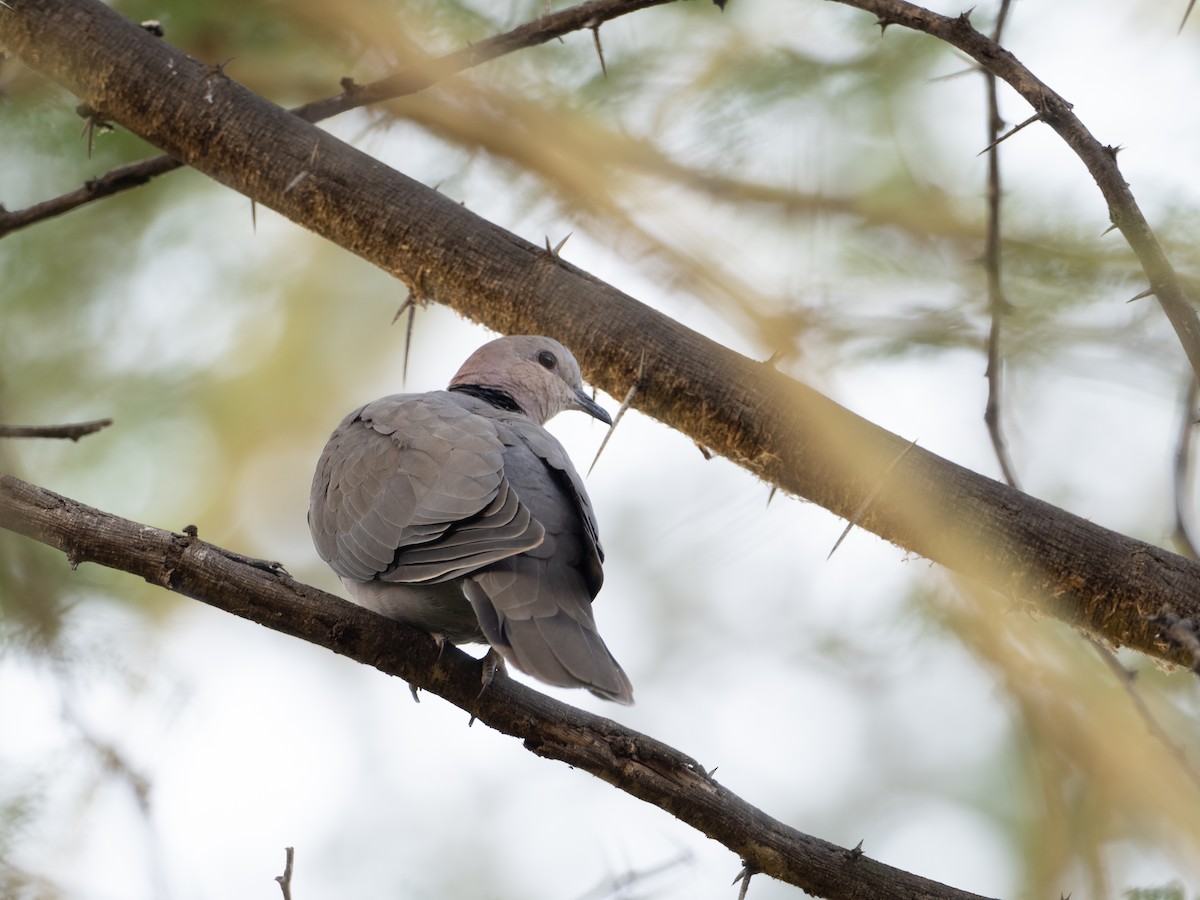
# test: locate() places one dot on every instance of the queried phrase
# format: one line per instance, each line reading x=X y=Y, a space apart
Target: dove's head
x=537 y=373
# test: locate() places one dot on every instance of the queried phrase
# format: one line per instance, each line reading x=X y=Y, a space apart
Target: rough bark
x=777 y=428
x=633 y=762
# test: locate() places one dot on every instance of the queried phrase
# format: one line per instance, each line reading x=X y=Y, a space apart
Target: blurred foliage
x=778 y=170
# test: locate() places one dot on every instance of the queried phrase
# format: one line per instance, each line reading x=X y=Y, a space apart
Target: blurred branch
x=777 y=428
x=619 y=886
x=1182 y=535
x=72 y=432
x=992 y=263
x=1126 y=678
x=635 y=763
x=408 y=81
x=1100 y=159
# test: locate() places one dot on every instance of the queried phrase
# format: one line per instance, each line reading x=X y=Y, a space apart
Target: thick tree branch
x=633 y=762
x=1120 y=589
x=1100 y=160
x=407 y=81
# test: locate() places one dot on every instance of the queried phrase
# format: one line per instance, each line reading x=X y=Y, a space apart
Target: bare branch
x=71 y=432
x=619 y=885
x=1099 y=159
x=777 y=428
x=635 y=763
x=353 y=96
x=1126 y=678
x=997 y=303
x=285 y=880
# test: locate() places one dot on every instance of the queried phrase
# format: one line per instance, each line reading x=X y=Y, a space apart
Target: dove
x=457 y=512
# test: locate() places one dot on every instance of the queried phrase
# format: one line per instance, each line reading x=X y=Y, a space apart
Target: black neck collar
x=496 y=397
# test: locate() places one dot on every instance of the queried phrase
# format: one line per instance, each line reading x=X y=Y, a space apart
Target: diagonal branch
x=1100 y=160
x=416 y=78
x=777 y=428
x=635 y=763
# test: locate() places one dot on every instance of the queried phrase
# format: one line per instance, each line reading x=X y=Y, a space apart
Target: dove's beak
x=586 y=404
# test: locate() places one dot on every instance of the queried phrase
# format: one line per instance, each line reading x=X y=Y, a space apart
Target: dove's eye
x=546 y=358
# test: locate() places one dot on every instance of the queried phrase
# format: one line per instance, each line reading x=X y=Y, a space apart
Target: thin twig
x=1126 y=678
x=399 y=84
x=997 y=304
x=619 y=885
x=1182 y=535
x=1099 y=159
x=71 y=432
x=285 y=880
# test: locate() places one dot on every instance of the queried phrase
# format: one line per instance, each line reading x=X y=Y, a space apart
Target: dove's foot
x=493 y=662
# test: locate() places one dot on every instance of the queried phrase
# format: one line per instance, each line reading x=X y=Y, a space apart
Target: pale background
x=844 y=696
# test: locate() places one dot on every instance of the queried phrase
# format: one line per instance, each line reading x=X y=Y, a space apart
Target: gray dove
x=457 y=512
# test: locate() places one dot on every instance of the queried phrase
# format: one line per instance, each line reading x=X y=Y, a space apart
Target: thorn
x=773 y=359
x=744 y=876
x=855 y=852
x=1004 y=137
x=93 y=121
x=637 y=383
x=1113 y=151
x=866 y=504
x=408 y=333
x=1112 y=227
x=883 y=24
x=965 y=18
x=1148 y=292
x=713 y=771
x=557 y=248
x=599 y=49
x=771 y=496
x=1187 y=12
x=404 y=307
x=704 y=451
x=253 y=216
x=295 y=181
x=413 y=689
